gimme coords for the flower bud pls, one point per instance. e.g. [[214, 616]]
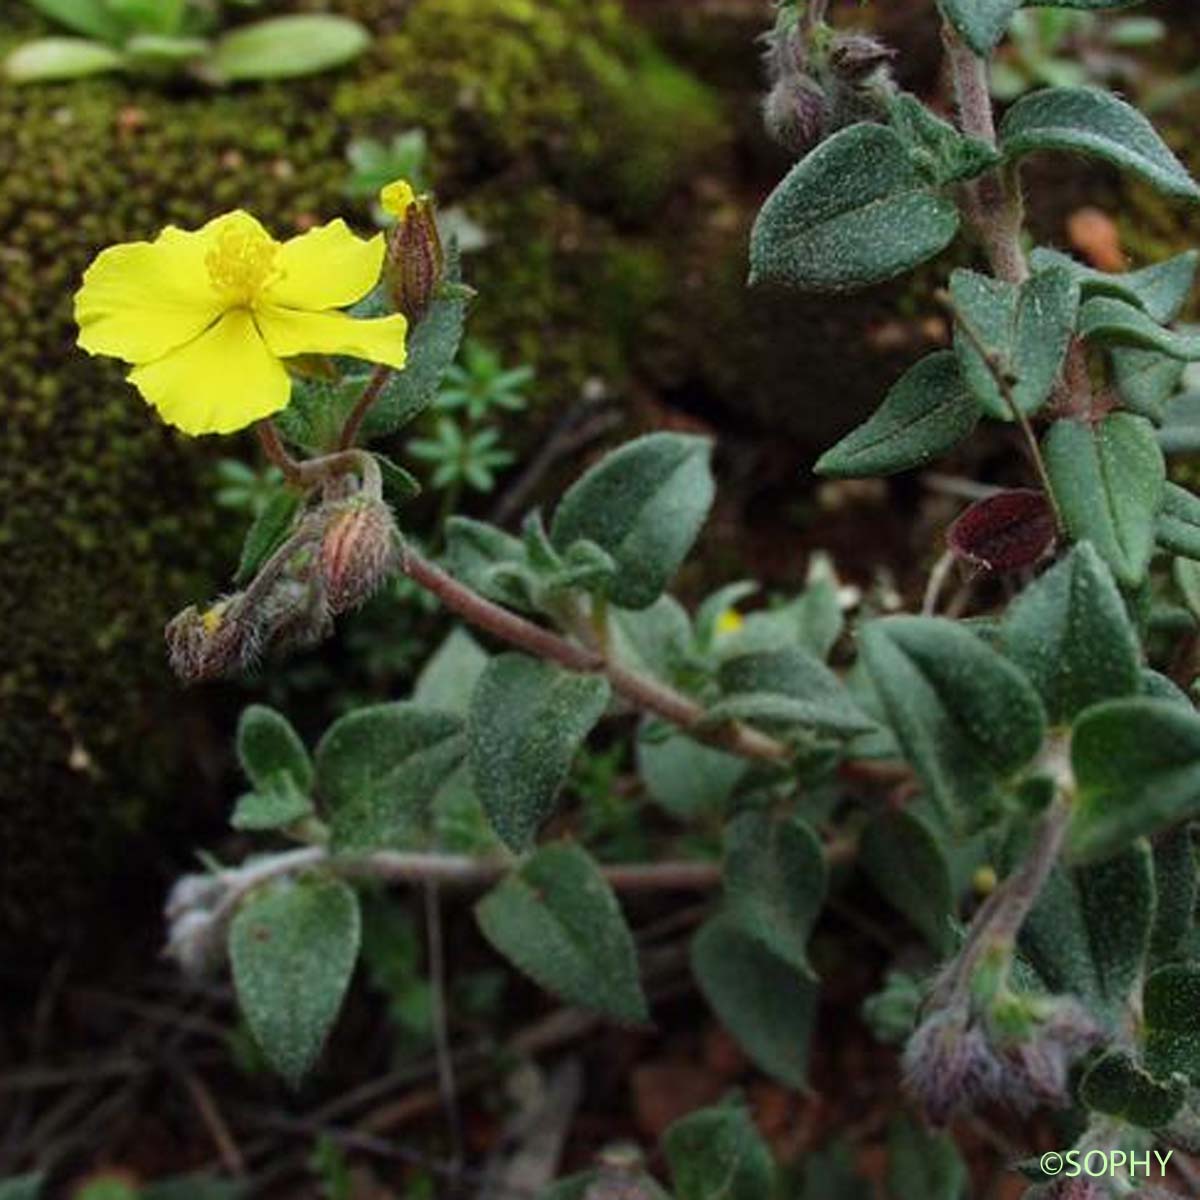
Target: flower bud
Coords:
[[949, 1066], [359, 549], [796, 114], [194, 942], [209, 644], [415, 263], [855, 57]]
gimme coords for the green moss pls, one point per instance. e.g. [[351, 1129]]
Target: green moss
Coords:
[[545, 117]]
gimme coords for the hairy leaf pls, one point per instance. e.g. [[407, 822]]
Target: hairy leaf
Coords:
[[1093, 121], [1161, 289], [268, 746], [1171, 1034], [557, 919], [982, 23], [527, 720], [928, 411], [1119, 1087], [855, 211], [448, 678], [1110, 322], [293, 946], [1178, 528], [718, 1154], [687, 777]]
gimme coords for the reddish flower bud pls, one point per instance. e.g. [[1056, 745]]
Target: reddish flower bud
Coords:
[[796, 114], [1005, 532], [416, 263], [359, 549]]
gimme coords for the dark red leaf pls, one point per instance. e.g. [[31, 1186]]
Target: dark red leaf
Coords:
[[1005, 532]]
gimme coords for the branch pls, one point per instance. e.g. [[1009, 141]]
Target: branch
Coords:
[[645, 693], [362, 406]]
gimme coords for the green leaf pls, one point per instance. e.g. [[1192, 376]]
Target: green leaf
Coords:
[[1175, 890], [1108, 479], [906, 863], [489, 561], [819, 609], [268, 746], [293, 944], [718, 1154], [787, 688], [60, 58], [399, 486], [378, 770], [1069, 632], [686, 777], [1090, 929], [1137, 770], [775, 879], [1026, 328], [1092, 121], [766, 1003], [556, 919], [154, 51], [643, 504], [284, 47], [1146, 380], [1161, 289], [1110, 322], [965, 716], [1171, 1032], [982, 23], [928, 411], [92, 18], [527, 720], [924, 1163], [276, 806], [855, 211], [448, 679], [1178, 528], [655, 640], [1118, 1086], [1180, 433], [938, 150], [432, 347], [268, 532]]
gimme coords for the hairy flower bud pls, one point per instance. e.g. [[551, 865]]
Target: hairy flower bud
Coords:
[[796, 113], [209, 644], [415, 263], [359, 549], [194, 942], [949, 1066], [855, 57]]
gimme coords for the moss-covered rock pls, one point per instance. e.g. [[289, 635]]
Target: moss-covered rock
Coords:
[[559, 126]]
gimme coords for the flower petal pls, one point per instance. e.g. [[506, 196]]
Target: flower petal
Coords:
[[224, 380], [327, 267], [142, 299], [288, 333]]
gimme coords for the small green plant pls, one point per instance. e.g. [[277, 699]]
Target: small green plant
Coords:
[[164, 38], [1019, 786]]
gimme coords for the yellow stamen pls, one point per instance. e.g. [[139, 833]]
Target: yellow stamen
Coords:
[[241, 264]]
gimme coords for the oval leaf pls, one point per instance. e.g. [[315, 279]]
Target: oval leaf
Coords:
[[982, 23], [855, 211], [283, 47], [718, 1154], [1093, 121], [928, 411], [643, 505], [527, 720], [556, 919], [1178, 528], [293, 946], [1108, 479], [60, 58]]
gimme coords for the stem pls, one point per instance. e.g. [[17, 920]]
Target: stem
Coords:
[[358, 413], [994, 204], [643, 692], [435, 945], [276, 452]]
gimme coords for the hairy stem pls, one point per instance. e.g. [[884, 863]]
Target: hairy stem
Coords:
[[358, 414], [640, 690]]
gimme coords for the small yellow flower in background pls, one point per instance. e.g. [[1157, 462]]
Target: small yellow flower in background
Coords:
[[205, 316], [730, 621], [397, 198]]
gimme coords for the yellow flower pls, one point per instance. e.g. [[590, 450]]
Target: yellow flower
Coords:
[[396, 198], [730, 621], [205, 317]]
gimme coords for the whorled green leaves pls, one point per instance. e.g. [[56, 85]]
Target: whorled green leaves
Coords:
[[642, 505], [928, 411], [1095, 122], [855, 211], [527, 720], [558, 920], [293, 945], [1108, 480], [965, 716]]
